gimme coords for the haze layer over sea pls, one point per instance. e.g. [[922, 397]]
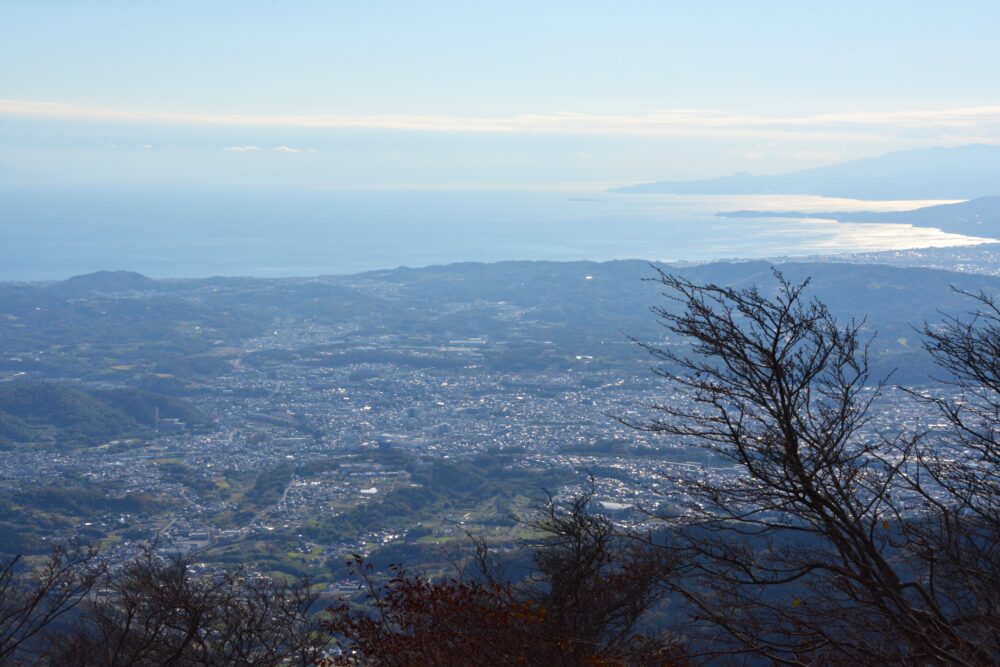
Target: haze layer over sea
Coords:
[[170, 233]]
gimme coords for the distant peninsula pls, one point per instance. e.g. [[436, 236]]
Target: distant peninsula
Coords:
[[977, 217], [963, 172]]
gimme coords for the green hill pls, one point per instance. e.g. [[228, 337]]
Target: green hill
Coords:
[[54, 414]]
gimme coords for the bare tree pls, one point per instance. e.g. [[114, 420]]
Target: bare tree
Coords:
[[33, 599], [958, 478], [579, 606], [595, 585], [155, 612], [799, 548]]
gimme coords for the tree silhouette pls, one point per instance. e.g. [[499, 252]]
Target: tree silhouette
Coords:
[[155, 612], [818, 538], [579, 606], [31, 600]]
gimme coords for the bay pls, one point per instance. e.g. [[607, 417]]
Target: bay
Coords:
[[48, 234]]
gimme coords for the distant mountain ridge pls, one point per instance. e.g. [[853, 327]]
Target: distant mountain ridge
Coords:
[[168, 340], [963, 172]]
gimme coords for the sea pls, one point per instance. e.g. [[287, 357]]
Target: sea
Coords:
[[52, 234]]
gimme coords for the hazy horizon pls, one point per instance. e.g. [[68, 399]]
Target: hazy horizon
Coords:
[[265, 139], [190, 233], [451, 95]]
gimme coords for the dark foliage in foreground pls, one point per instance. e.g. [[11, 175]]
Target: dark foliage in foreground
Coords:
[[153, 612], [32, 603], [580, 606]]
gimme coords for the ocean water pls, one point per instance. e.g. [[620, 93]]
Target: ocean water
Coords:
[[171, 232]]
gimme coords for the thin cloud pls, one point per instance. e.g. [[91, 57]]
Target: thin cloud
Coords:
[[242, 149], [291, 149], [682, 122]]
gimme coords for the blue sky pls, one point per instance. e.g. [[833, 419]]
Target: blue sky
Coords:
[[513, 94]]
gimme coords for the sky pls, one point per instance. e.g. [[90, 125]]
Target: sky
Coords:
[[358, 95]]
